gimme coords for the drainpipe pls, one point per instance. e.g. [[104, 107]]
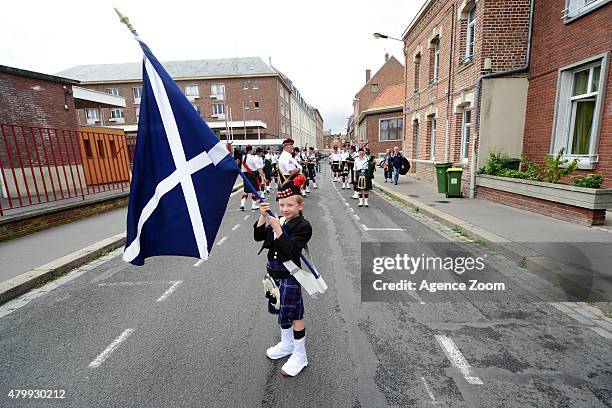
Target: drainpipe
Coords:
[[449, 87], [518, 70]]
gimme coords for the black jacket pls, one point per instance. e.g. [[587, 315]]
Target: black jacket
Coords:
[[284, 248]]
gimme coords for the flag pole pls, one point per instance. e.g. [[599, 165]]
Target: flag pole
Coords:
[[125, 20]]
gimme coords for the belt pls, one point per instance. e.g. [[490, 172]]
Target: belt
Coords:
[[277, 270]]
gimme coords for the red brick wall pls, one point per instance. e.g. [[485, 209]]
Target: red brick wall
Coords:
[[557, 45], [35, 102], [373, 131], [563, 212], [267, 95], [391, 73]]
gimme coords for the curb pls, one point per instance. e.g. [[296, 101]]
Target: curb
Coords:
[[25, 282]]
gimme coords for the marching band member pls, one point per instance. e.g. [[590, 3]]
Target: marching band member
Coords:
[[259, 152], [288, 167], [298, 156], [344, 170], [363, 174], [253, 171], [274, 172], [311, 162], [268, 168], [283, 291], [334, 159], [350, 161]]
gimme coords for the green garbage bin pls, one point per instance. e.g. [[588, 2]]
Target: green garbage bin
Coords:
[[441, 175], [453, 179]]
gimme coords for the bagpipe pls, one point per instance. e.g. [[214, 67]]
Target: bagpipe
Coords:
[[312, 282]]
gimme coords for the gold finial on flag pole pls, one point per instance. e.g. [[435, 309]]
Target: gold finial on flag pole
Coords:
[[125, 20]]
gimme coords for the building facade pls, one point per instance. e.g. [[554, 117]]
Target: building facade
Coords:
[[303, 121], [244, 94], [569, 102], [448, 46]]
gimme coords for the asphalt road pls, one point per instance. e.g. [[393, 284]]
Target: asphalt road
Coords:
[[169, 334]]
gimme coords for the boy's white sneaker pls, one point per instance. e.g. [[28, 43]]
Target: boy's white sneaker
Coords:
[[297, 361], [242, 202], [284, 347]]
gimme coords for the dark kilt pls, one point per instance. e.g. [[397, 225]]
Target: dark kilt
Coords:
[[252, 177], [268, 169], [291, 302], [368, 179], [274, 171], [336, 166]]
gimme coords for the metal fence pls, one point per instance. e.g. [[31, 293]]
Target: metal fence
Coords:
[[42, 165]]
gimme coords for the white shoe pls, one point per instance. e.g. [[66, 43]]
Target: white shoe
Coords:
[[360, 202], [284, 347], [355, 195], [297, 361], [254, 206], [307, 190], [314, 185], [335, 179], [242, 202], [365, 202]]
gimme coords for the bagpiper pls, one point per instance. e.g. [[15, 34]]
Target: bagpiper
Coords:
[[268, 168], [288, 167], [350, 161], [275, 167], [364, 174], [334, 159], [283, 291], [311, 163], [344, 170], [253, 170]]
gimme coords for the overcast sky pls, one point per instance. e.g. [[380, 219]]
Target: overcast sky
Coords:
[[324, 46]]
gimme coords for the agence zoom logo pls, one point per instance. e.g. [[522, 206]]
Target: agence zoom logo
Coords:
[[424, 263]]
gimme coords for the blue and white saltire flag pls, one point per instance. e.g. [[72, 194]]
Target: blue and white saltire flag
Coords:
[[182, 175]]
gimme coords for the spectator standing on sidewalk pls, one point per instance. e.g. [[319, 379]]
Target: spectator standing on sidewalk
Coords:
[[395, 162], [386, 168]]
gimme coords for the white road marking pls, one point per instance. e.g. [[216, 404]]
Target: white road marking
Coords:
[[222, 240], [433, 399], [134, 283], [235, 227], [346, 203], [245, 217], [356, 216], [200, 261], [380, 229], [112, 347], [169, 291], [456, 358]]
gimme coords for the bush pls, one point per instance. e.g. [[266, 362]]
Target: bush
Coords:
[[531, 170], [496, 161], [554, 170], [590, 180]]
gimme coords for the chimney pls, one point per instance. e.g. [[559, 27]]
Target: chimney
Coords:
[[368, 73], [386, 56]]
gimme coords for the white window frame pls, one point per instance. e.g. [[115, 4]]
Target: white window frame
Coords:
[[137, 111], [575, 11], [375, 88], [217, 90], [137, 93], [256, 105], [218, 109], [92, 115], [434, 129], [254, 84], [112, 91], [398, 128], [436, 61], [470, 35], [116, 113], [466, 127], [245, 85], [562, 132], [189, 91], [245, 105]]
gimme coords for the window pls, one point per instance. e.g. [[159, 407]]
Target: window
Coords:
[[112, 91], [256, 104], [436, 61], [92, 114], [391, 129], [465, 134], [217, 89], [417, 72], [116, 113], [283, 127], [137, 114], [218, 109], [375, 88], [282, 109], [415, 138], [245, 85], [101, 153], [434, 125], [576, 8], [192, 90], [578, 111], [255, 85], [137, 92], [470, 35], [245, 105]]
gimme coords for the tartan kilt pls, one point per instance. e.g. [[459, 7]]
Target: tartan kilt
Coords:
[[335, 167], [291, 302], [368, 180], [252, 177]]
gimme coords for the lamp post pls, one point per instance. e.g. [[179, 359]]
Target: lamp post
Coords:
[[386, 37]]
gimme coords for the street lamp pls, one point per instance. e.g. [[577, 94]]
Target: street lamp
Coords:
[[384, 36]]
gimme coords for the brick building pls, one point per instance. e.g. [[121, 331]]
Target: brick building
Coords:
[[244, 91], [448, 46], [381, 124], [569, 102], [391, 73]]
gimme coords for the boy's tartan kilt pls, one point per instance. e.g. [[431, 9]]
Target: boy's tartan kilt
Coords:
[[291, 302]]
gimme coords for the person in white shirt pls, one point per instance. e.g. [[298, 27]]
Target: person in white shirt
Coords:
[[311, 162], [363, 177], [268, 168], [259, 152], [344, 170], [253, 170], [288, 167], [335, 159]]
